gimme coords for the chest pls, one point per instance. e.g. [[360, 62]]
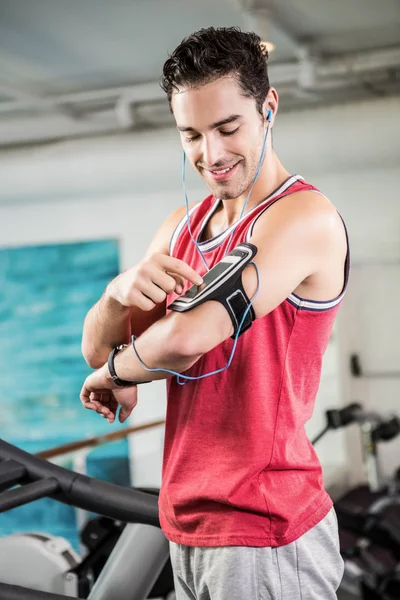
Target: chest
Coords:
[[212, 226]]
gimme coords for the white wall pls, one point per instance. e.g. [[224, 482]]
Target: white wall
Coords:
[[124, 187]]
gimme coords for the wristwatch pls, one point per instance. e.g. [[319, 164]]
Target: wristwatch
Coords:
[[113, 374]]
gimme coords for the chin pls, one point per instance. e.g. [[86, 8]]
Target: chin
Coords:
[[222, 193], [229, 192], [226, 195]]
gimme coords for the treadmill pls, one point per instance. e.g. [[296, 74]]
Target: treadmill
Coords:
[[141, 551]]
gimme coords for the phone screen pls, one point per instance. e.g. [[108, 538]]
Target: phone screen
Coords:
[[208, 278]]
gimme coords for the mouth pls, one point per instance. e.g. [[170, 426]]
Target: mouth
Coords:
[[223, 174]]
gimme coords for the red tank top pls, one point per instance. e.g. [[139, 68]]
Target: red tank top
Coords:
[[238, 468]]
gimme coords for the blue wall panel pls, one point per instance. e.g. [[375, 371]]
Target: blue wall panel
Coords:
[[45, 294]]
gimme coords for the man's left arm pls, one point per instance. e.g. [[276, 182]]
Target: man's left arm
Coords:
[[292, 238]]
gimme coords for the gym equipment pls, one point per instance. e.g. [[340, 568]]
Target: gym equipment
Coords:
[[99, 536], [369, 531], [369, 515], [135, 562]]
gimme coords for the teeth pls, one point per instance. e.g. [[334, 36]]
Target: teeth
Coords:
[[224, 171]]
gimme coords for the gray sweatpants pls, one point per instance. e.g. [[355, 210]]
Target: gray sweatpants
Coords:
[[310, 568]]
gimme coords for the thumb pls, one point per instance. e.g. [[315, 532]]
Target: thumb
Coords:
[[124, 414]]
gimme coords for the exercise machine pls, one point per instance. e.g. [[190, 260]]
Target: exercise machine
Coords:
[[369, 515], [130, 566], [135, 562]]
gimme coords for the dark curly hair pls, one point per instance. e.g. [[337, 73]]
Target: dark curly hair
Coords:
[[211, 53]]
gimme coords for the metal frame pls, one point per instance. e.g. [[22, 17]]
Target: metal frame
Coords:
[[142, 549]]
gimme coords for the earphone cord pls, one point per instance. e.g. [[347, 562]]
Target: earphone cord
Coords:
[[244, 205], [182, 379]]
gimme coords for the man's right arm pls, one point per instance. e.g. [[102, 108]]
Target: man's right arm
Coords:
[[135, 299]]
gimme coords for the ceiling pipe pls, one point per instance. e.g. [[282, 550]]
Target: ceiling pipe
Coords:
[[119, 108]]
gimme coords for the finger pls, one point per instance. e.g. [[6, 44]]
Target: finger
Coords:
[[167, 281], [106, 415], [89, 406], [104, 406], [114, 406], [85, 396], [137, 298], [95, 403], [174, 265], [155, 292], [124, 414], [88, 395], [180, 284], [102, 410], [103, 400], [101, 397], [113, 411]]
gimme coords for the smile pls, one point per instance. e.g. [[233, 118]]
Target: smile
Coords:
[[223, 174]]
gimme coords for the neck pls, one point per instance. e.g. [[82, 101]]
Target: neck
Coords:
[[272, 175]]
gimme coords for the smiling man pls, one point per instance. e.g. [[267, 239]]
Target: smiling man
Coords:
[[242, 498]]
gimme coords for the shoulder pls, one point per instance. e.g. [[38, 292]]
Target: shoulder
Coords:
[[173, 225], [305, 211], [161, 239], [304, 221], [179, 213]]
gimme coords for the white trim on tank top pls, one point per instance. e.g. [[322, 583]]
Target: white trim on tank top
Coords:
[[305, 303], [320, 305], [208, 245], [179, 227], [205, 246], [211, 244]]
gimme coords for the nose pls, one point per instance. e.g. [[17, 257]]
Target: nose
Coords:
[[212, 151]]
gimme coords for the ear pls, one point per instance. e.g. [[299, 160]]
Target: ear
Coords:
[[271, 106]]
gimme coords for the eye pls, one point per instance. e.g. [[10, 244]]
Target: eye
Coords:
[[192, 139], [229, 132], [224, 133]]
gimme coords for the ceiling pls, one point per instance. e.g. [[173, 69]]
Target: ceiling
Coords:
[[81, 68]]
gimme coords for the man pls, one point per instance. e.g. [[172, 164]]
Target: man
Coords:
[[242, 499]]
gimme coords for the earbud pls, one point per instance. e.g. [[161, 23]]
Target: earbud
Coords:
[[269, 115]]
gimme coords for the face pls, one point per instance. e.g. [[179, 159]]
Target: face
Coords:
[[222, 134]]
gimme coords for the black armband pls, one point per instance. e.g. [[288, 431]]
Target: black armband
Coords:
[[223, 283]]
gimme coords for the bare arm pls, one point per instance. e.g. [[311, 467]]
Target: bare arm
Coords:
[[135, 299], [294, 242], [106, 325]]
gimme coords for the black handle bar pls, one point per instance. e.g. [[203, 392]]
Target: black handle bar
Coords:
[[107, 499], [16, 592]]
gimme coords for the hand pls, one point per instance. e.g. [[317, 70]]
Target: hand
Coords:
[[101, 394], [149, 282]]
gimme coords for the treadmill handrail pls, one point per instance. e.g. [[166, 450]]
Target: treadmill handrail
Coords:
[[17, 592], [101, 497]]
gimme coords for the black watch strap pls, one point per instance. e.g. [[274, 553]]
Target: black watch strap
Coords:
[[111, 368]]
